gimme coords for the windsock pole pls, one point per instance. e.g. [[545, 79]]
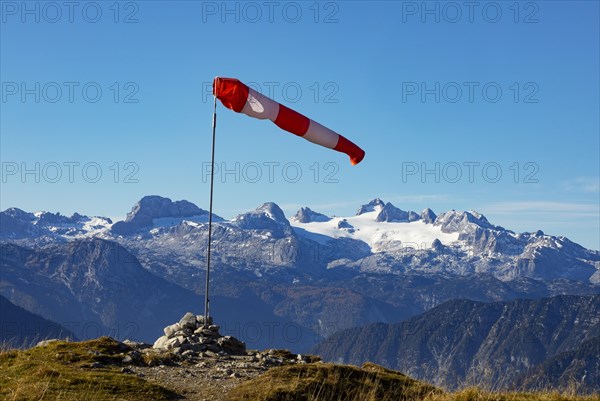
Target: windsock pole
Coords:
[[210, 212]]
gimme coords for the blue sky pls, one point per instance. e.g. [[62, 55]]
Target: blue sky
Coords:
[[493, 108]]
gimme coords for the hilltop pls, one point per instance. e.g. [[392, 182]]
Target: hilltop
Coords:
[[105, 369]]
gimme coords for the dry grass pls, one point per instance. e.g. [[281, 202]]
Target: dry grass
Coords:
[[328, 382], [321, 381], [62, 371], [475, 394]]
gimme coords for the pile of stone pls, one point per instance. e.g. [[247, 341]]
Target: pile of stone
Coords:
[[191, 337]]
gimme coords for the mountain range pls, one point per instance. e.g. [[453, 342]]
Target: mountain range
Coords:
[[290, 281], [523, 344]]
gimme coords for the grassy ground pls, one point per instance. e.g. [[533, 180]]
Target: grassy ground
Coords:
[[323, 381], [329, 382], [474, 394], [62, 371]]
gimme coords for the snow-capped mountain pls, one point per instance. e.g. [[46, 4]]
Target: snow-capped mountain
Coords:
[[380, 238], [155, 212], [306, 215], [17, 224], [384, 228]]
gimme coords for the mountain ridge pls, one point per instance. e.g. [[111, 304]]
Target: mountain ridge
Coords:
[[304, 274], [463, 342]]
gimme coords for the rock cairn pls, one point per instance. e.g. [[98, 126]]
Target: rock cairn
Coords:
[[190, 359], [190, 337]]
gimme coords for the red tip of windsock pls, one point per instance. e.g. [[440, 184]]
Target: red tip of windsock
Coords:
[[348, 147]]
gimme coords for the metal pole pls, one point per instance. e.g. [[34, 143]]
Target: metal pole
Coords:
[[210, 212]]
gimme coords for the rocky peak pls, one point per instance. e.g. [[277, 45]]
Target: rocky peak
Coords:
[[16, 223], [390, 213], [273, 211], [437, 245], [49, 219], [306, 215], [371, 206], [154, 207], [268, 216], [454, 221], [479, 219], [413, 216], [428, 216], [17, 213], [343, 224]]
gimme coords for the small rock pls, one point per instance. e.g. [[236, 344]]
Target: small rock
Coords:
[[46, 342], [210, 333], [200, 320], [127, 371], [147, 351], [161, 343], [213, 348], [128, 359], [172, 329], [175, 342], [188, 321], [135, 355], [136, 344], [188, 354], [232, 345], [185, 346], [96, 365], [198, 347]]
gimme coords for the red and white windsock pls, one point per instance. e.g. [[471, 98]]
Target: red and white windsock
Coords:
[[238, 97]]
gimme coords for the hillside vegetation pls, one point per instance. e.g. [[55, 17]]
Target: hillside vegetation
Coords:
[[95, 370], [75, 371]]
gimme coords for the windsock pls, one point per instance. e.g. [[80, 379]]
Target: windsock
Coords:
[[238, 97]]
